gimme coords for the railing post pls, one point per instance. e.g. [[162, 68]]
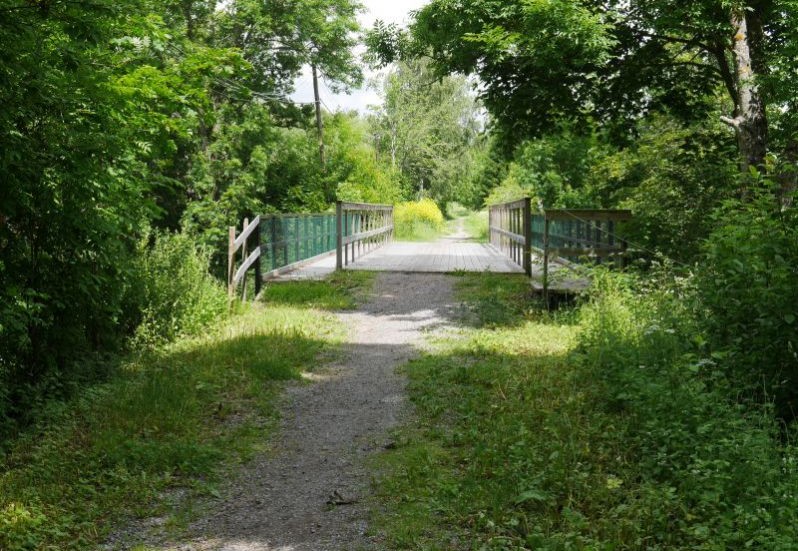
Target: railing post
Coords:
[[243, 258], [339, 252], [231, 261], [527, 221], [260, 261], [546, 262]]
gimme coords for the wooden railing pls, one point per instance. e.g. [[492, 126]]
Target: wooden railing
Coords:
[[274, 243], [575, 235], [361, 228], [580, 234], [509, 228], [236, 276]]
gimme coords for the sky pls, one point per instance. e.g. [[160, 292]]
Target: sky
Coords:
[[390, 11]]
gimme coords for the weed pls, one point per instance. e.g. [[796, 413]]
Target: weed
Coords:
[[418, 220], [596, 428], [171, 416], [338, 292]]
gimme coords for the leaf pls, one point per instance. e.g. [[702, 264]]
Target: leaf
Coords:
[[532, 495]]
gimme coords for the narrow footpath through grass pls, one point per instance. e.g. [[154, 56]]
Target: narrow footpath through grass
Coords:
[[173, 418]]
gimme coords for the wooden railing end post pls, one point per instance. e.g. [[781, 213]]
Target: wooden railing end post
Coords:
[[339, 238]]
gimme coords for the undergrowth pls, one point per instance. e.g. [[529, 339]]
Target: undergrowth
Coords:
[[476, 225], [173, 416], [603, 427]]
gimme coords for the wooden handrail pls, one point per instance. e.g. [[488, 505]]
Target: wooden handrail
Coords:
[[245, 233], [510, 227], [238, 276], [374, 228]]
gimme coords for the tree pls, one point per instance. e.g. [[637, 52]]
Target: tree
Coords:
[[426, 129], [73, 194], [616, 61]]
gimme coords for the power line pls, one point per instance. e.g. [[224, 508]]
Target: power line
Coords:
[[239, 86]]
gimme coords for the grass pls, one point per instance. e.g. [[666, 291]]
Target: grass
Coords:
[[520, 442], [419, 231], [476, 225], [460, 473], [176, 417], [340, 291]]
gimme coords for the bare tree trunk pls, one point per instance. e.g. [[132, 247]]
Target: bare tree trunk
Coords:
[[750, 120]]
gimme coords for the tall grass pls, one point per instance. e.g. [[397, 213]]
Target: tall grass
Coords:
[[606, 427], [176, 415], [175, 293]]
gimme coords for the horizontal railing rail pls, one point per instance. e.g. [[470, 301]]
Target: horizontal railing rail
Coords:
[[576, 235], [580, 234], [508, 225], [361, 228]]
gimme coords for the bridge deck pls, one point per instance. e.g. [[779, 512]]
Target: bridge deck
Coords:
[[450, 254]]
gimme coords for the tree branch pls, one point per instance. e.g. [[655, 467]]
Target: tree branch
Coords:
[[733, 122], [719, 52]]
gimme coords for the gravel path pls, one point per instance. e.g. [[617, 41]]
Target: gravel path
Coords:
[[312, 492]]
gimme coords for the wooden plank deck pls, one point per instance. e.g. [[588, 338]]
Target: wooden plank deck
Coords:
[[450, 254]]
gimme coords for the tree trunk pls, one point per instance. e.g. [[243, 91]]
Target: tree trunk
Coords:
[[750, 121], [319, 122]]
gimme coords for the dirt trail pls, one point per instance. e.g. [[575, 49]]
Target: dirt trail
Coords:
[[312, 492]]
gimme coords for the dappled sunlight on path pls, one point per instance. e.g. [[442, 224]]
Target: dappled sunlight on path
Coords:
[[311, 491]]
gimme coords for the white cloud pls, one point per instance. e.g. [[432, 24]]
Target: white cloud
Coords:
[[392, 11]]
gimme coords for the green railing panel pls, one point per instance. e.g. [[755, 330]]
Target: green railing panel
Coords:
[[291, 238], [599, 235]]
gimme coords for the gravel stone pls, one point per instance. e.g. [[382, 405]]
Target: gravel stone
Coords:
[[311, 492]]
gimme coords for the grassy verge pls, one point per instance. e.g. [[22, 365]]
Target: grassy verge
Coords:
[[172, 418], [580, 430], [418, 231], [476, 225]]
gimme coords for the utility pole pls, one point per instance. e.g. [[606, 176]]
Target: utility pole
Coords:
[[319, 123]]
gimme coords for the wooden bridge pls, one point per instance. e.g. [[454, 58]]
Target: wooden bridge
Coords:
[[545, 245]]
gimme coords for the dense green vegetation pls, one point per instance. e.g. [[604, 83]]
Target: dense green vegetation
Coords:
[[684, 114], [125, 122], [607, 426], [660, 412], [174, 417]]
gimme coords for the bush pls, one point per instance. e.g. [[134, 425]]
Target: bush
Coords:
[[176, 294], [747, 288], [707, 472], [418, 219]]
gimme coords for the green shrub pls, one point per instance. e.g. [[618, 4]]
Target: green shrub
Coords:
[[747, 297], [421, 219], [707, 472], [176, 294]]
